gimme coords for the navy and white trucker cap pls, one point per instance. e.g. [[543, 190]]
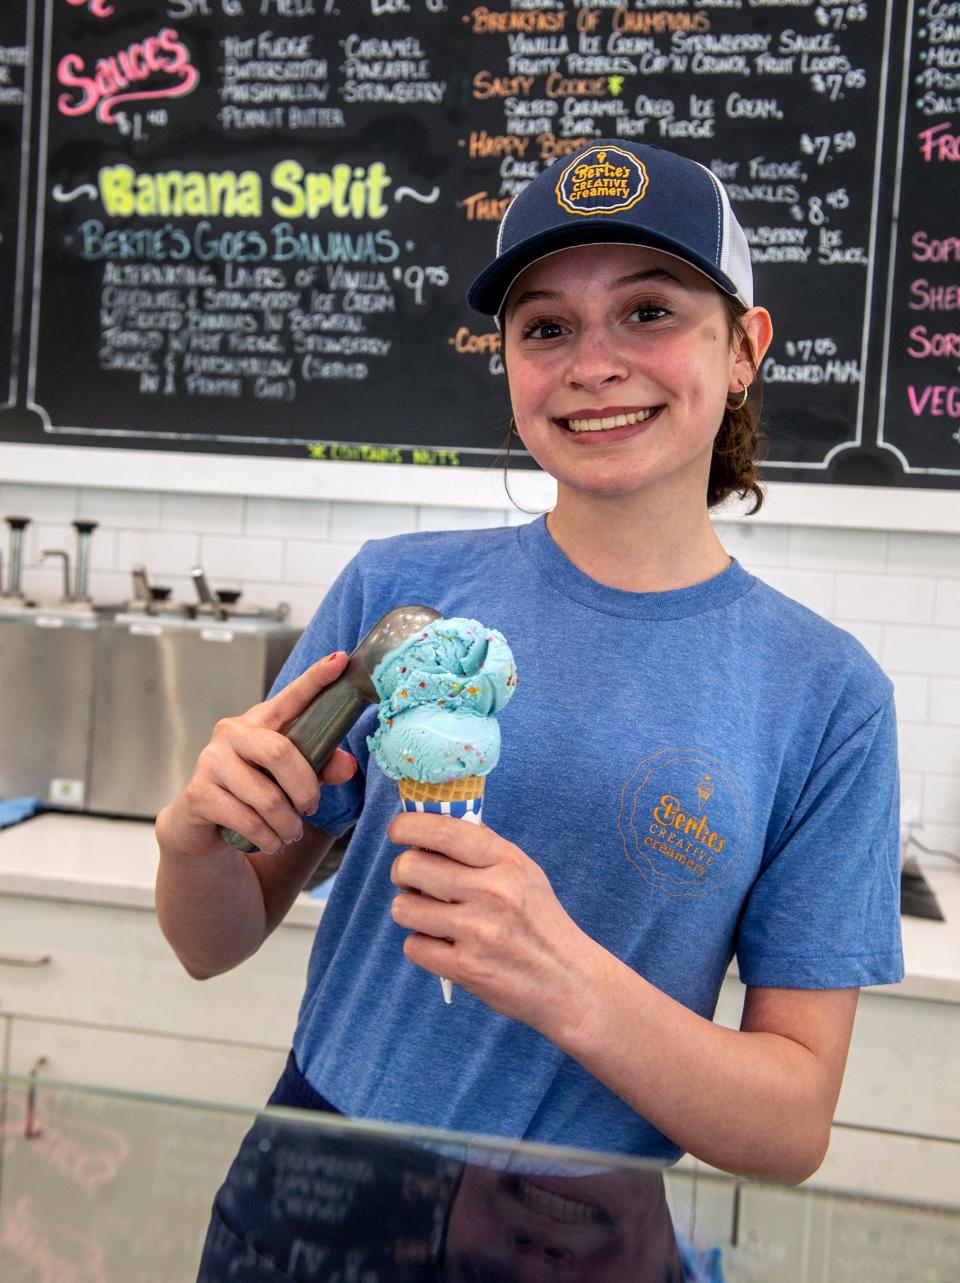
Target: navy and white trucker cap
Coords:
[[617, 192]]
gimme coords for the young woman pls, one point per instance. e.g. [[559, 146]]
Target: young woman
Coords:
[[694, 766]]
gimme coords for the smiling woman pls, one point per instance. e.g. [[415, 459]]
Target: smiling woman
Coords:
[[693, 767], [624, 294]]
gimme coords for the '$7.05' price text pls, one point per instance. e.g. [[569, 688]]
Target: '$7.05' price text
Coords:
[[833, 83], [807, 349], [836, 16]]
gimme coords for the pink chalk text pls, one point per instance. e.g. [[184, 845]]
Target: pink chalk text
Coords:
[[938, 143], [99, 8], [112, 79]]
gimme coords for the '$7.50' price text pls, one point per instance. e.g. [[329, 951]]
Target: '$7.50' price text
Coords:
[[823, 147]]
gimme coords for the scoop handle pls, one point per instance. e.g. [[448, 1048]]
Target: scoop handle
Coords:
[[317, 732]]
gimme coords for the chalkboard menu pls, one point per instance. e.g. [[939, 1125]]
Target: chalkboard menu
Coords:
[[246, 226], [920, 414], [13, 60]]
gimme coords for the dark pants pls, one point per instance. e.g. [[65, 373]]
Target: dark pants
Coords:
[[331, 1201]]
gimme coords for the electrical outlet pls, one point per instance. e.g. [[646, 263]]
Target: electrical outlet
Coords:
[[64, 792]]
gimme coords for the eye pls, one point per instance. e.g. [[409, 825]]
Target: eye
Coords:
[[540, 329], [648, 310]]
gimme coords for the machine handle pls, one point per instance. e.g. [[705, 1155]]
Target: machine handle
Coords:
[[47, 554], [207, 598], [30, 1129], [25, 959]]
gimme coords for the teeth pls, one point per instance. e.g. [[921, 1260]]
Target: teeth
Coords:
[[559, 1208], [614, 421]]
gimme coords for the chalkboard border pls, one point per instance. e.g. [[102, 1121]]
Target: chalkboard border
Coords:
[[787, 503]]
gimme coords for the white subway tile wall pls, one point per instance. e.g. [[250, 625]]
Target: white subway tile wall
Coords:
[[206, 514], [317, 562], [240, 559], [896, 599], [947, 605], [898, 593], [912, 694], [945, 700]]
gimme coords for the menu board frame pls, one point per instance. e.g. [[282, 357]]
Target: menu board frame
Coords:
[[831, 392], [785, 503]]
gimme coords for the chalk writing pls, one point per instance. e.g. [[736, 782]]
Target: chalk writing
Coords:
[[919, 416], [110, 81], [86, 1154], [267, 210]]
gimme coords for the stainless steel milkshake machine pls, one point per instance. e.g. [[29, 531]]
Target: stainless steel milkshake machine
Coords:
[[104, 708], [47, 661]]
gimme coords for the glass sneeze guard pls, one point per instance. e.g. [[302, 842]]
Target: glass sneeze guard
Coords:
[[102, 1186]]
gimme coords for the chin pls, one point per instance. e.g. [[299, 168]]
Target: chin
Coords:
[[609, 476]]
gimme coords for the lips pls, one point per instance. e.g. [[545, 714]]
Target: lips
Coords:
[[562, 1209], [603, 421]]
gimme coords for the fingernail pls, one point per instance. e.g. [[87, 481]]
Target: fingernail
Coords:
[[299, 834], [333, 654]]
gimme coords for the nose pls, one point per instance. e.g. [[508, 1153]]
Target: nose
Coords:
[[596, 362], [538, 1249]]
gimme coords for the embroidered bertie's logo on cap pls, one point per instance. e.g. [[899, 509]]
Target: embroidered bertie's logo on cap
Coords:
[[603, 180]]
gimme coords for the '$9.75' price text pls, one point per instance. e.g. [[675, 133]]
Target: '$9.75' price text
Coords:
[[414, 278]]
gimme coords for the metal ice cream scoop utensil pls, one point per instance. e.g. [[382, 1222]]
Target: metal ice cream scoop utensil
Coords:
[[325, 721]]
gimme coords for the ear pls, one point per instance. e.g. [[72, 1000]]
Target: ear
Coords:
[[758, 328]]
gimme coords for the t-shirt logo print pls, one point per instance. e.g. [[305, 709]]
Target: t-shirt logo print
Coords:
[[603, 180], [683, 822]]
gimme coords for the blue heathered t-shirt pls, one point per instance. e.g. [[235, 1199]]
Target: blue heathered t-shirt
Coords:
[[701, 773]]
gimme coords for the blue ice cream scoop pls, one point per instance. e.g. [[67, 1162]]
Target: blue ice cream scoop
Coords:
[[439, 692]]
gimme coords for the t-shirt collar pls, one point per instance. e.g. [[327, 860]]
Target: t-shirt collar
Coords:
[[537, 545]]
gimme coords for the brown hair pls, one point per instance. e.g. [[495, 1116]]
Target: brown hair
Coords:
[[736, 447]]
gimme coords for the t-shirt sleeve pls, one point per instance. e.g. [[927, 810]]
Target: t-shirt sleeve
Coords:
[[336, 625], [824, 913]]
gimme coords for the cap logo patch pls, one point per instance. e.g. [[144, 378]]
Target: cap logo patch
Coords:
[[603, 180]]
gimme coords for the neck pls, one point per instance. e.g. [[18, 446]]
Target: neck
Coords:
[[636, 547]]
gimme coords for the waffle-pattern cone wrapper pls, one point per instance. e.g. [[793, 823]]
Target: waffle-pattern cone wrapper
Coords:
[[463, 799]]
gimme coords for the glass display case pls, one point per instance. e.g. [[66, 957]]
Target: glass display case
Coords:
[[117, 1187]]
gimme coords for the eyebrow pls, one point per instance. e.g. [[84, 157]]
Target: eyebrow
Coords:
[[633, 278]]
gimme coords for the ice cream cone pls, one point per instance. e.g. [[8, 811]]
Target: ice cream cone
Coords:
[[439, 694], [463, 799]]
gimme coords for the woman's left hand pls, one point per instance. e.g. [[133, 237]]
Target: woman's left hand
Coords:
[[484, 914]]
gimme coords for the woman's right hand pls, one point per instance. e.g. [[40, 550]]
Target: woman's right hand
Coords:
[[229, 787]]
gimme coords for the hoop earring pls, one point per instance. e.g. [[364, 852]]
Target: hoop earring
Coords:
[[742, 402], [511, 433]]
